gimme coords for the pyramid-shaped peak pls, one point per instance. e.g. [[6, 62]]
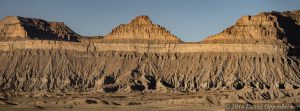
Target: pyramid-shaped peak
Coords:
[[263, 28], [143, 19], [142, 30]]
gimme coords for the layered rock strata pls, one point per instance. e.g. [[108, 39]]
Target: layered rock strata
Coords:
[[141, 30], [21, 28], [243, 60], [264, 28], [141, 47]]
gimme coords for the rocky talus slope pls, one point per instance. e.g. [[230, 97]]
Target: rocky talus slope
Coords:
[[20, 28], [256, 54], [142, 30]]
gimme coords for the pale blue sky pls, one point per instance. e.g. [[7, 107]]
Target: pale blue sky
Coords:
[[190, 20]]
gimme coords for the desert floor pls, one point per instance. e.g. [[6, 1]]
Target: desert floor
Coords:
[[201, 101]]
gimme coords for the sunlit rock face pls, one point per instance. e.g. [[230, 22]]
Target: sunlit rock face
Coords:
[[141, 30], [258, 53], [18, 28], [265, 28]]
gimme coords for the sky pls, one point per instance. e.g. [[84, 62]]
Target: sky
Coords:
[[190, 20]]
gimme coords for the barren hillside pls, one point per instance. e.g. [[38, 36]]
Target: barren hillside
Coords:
[[20, 28], [141, 29], [258, 53]]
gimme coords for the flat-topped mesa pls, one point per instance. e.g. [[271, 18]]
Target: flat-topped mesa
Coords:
[[141, 30], [264, 28], [21, 28]]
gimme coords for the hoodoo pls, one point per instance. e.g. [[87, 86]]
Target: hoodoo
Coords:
[[141, 29], [21, 28]]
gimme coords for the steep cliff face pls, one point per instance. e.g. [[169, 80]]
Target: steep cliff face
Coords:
[[17, 28], [264, 28], [256, 54], [141, 29], [294, 15]]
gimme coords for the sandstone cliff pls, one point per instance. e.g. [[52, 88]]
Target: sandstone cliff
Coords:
[[264, 28], [236, 59], [18, 28], [141, 29], [90, 39]]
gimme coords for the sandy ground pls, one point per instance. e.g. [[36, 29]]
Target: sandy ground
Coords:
[[208, 101]]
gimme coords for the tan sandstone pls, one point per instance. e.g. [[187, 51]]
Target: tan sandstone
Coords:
[[140, 63], [18, 28], [141, 29]]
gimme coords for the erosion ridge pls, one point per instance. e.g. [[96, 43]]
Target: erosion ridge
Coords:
[[264, 28], [141, 29], [23, 28], [257, 53]]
